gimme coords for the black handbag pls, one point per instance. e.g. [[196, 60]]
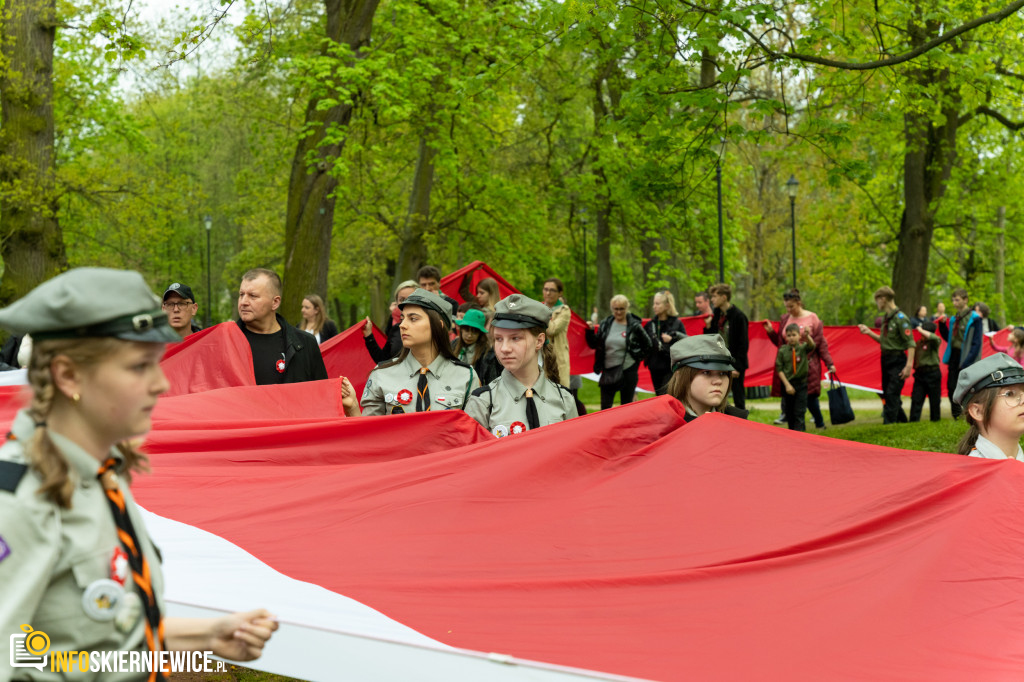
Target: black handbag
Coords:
[[611, 376], [839, 409]]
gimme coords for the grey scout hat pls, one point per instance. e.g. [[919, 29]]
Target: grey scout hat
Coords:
[[996, 370], [427, 299], [706, 351], [66, 307], [520, 312]]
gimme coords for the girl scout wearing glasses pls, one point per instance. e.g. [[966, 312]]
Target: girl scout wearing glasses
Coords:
[[991, 392], [77, 568], [426, 375], [523, 397]]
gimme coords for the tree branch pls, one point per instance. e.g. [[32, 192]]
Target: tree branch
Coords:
[[996, 16], [992, 113]]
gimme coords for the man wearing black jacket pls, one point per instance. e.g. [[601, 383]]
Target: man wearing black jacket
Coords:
[[281, 354], [732, 325]]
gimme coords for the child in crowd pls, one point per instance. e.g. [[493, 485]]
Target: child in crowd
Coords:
[[1016, 348], [791, 365], [991, 392], [927, 374], [472, 343]]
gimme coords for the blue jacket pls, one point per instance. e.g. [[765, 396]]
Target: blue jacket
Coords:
[[970, 349]]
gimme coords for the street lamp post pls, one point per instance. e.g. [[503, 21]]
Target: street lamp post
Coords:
[[791, 186], [209, 295], [719, 150], [721, 247]]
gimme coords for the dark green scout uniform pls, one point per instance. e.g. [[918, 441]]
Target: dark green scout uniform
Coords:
[[791, 361], [927, 379], [895, 337]]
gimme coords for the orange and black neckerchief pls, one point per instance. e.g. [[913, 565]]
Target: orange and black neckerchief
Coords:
[[136, 560]]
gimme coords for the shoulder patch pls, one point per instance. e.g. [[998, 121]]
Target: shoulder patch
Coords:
[[460, 363], [480, 391], [11, 474]]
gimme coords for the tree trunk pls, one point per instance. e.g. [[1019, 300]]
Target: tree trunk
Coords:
[[310, 218], [33, 246], [930, 152], [412, 252]]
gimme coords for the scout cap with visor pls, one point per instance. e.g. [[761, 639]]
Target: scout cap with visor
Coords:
[[66, 307]]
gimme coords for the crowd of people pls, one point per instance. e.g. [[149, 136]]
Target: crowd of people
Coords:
[[75, 558]]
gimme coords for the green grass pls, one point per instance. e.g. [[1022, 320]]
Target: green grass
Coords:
[[941, 436]]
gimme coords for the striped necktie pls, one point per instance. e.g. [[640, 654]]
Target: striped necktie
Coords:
[[136, 560]]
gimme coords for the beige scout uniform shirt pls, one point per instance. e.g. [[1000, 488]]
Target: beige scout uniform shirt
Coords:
[[392, 390], [986, 449], [502, 409], [54, 555]]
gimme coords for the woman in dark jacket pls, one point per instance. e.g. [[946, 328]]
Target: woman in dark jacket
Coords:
[[619, 344], [664, 329]]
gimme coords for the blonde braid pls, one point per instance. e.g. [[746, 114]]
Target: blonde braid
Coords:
[[43, 455]]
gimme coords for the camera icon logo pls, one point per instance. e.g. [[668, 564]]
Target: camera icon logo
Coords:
[[29, 649]]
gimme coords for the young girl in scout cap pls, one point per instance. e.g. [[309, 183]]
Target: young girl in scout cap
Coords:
[[426, 375], [991, 393], [701, 367], [76, 561], [524, 396]]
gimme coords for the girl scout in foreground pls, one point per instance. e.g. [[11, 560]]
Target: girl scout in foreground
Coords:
[[701, 367], [991, 392], [523, 397], [76, 562], [426, 375]]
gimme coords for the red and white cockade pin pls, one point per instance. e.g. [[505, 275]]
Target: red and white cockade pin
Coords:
[[404, 396], [119, 566], [280, 366], [517, 427]]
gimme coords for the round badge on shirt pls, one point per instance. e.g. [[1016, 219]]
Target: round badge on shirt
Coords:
[[101, 599]]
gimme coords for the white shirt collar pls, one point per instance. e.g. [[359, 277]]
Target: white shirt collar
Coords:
[[988, 450]]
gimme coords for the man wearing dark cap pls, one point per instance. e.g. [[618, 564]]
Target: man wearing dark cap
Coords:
[[281, 354], [181, 308]]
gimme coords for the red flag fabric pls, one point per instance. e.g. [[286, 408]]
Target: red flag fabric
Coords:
[[345, 355], [624, 541], [217, 357]]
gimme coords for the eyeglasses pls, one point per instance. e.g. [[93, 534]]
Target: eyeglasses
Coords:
[[618, 310], [1014, 397], [177, 305]]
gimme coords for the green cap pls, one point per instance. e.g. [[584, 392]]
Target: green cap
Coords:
[[90, 302], [520, 312], [706, 351], [431, 301], [475, 319], [995, 370]]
